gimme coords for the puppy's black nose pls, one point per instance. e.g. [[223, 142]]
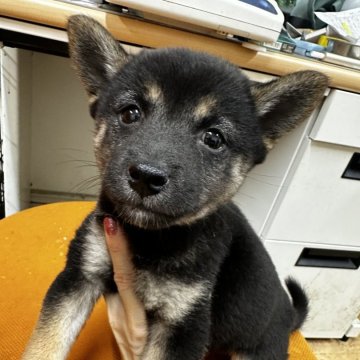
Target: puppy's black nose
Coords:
[[147, 180]]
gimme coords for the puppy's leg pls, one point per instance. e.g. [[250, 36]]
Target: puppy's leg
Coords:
[[166, 344], [274, 347], [72, 295], [186, 340], [67, 305]]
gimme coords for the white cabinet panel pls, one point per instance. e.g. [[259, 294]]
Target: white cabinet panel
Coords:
[[339, 120], [319, 206], [300, 200], [264, 182], [16, 79], [333, 293]]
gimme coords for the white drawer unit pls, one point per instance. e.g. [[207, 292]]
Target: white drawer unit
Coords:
[[309, 218], [319, 206], [322, 203], [331, 283], [339, 120]]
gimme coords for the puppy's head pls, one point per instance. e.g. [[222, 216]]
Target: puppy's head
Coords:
[[176, 130]]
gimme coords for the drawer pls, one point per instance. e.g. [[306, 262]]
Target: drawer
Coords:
[[333, 292], [318, 205], [339, 121]]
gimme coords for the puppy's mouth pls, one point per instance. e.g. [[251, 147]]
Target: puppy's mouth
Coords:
[[154, 212], [145, 217]]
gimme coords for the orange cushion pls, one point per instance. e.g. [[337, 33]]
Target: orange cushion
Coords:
[[33, 247]]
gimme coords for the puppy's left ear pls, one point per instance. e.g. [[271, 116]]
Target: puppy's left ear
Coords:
[[95, 54], [284, 103]]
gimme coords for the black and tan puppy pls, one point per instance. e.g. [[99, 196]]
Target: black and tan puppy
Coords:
[[176, 133]]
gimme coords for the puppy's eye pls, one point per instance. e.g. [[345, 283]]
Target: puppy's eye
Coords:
[[130, 114], [213, 139]]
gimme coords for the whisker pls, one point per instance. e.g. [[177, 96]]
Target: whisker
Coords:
[[261, 181], [87, 184], [84, 162], [246, 195]]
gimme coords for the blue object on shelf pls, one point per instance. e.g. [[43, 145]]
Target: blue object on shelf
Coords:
[[261, 4]]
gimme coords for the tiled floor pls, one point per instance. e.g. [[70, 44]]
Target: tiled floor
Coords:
[[336, 349]]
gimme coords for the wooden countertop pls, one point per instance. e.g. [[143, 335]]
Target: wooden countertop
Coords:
[[54, 13]]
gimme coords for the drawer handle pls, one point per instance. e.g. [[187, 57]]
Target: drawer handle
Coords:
[[325, 258], [352, 170]]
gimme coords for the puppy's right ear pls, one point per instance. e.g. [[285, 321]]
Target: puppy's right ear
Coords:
[[95, 54]]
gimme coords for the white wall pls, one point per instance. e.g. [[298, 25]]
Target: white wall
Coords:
[[61, 131], [47, 131], [16, 75]]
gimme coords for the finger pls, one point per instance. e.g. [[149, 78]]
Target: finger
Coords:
[[131, 341], [124, 272], [120, 254], [116, 317]]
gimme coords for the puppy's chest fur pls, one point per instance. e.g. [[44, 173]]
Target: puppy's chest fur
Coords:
[[176, 268], [173, 274], [167, 298]]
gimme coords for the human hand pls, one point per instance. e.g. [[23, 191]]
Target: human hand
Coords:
[[126, 313]]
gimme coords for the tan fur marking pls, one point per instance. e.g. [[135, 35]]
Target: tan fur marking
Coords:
[[172, 299], [54, 334], [101, 152], [43, 343], [204, 107], [97, 259], [92, 99], [238, 172], [235, 357], [155, 348], [154, 92], [99, 136], [239, 357], [269, 144]]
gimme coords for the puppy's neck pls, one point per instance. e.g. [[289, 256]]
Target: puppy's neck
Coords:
[[154, 243], [105, 207]]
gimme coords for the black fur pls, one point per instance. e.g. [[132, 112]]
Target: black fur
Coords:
[[185, 230]]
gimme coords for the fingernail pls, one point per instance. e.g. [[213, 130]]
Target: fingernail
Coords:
[[110, 226]]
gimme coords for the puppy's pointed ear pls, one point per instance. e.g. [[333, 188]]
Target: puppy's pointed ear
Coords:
[[95, 54], [284, 103]]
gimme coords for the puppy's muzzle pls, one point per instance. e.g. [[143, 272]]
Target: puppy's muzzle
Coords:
[[147, 180]]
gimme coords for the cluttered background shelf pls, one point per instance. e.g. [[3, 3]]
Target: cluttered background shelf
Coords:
[[134, 31]]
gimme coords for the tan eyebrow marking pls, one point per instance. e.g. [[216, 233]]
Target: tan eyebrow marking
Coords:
[[154, 92], [100, 134], [92, 99], [204, 106]]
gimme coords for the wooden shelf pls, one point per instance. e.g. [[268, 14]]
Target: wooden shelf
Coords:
[[54, 13]]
